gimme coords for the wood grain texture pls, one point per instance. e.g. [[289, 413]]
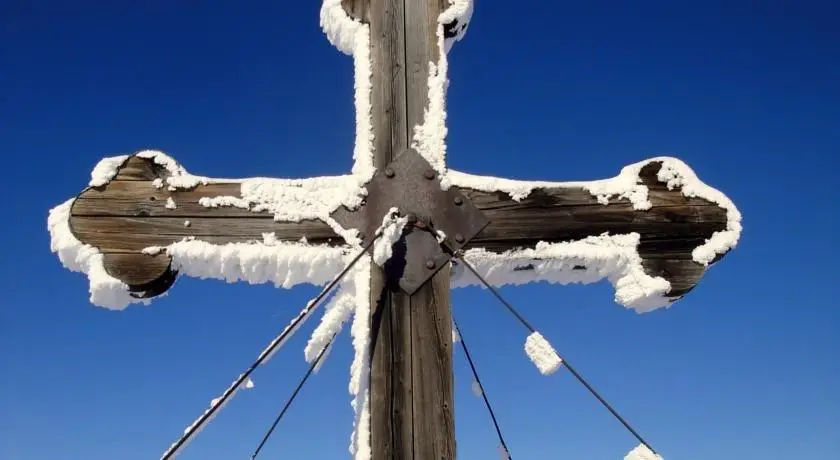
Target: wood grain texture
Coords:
[[391, 355], [130, 214], [411, 411], [432, 376], [669, 231]]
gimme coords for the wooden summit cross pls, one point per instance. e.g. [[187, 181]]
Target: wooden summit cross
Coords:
[[652, 230]]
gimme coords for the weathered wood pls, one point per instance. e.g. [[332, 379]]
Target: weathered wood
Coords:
[[391, 357], [136, 269], [200, 226], [432, 378], [130, 213], [411, 382], [669, 231], [136, 168], [411, 358]]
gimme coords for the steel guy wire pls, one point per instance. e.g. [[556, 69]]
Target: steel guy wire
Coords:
[[294, 395], [574, 372], [481, 386], [272, 346]]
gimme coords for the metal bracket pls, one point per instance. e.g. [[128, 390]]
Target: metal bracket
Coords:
[[411, 185]]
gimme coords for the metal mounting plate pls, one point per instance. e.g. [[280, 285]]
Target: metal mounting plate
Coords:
[[411, 185]]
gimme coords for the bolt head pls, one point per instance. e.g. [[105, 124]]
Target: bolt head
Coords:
[[459, 201], [389, 172], [459, 238], [430, 174], [430, 264]]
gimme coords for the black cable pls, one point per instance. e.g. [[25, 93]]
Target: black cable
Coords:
[[273, 345], [292, 398], [483, 393], [565, 362]]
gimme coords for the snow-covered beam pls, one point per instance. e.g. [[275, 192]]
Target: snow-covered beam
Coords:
[[144, 217], [652, 230]]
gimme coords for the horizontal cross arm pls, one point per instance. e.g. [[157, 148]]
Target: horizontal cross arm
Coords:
[[656, 217], [140, 210]]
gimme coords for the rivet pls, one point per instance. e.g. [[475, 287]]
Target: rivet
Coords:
[[430, 174], [430, 264], [389, 172], [459, 237], [459, 201]]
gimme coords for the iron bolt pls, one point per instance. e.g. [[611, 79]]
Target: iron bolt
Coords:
[[430, 264], [430, 174], [459, 201], [459, 237], [389, 172]]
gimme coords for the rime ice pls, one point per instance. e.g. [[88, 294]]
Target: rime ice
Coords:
[[106, 170], [614, 257], [641, 452], [609, 256], [542, 354], [476, 388], [105, 290], [392, 228]]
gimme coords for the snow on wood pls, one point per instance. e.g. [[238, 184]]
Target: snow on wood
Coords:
[[352, 37], [456, 18], [106, 170], [287, 264], [627, 184], [613, 257], [105, 290], [360, 368], [542, 354], [178, 177], [430, 137]]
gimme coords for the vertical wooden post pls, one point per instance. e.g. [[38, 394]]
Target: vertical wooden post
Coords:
[[412, 407]]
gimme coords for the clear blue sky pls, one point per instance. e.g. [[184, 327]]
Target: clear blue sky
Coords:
[[746, 367]]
